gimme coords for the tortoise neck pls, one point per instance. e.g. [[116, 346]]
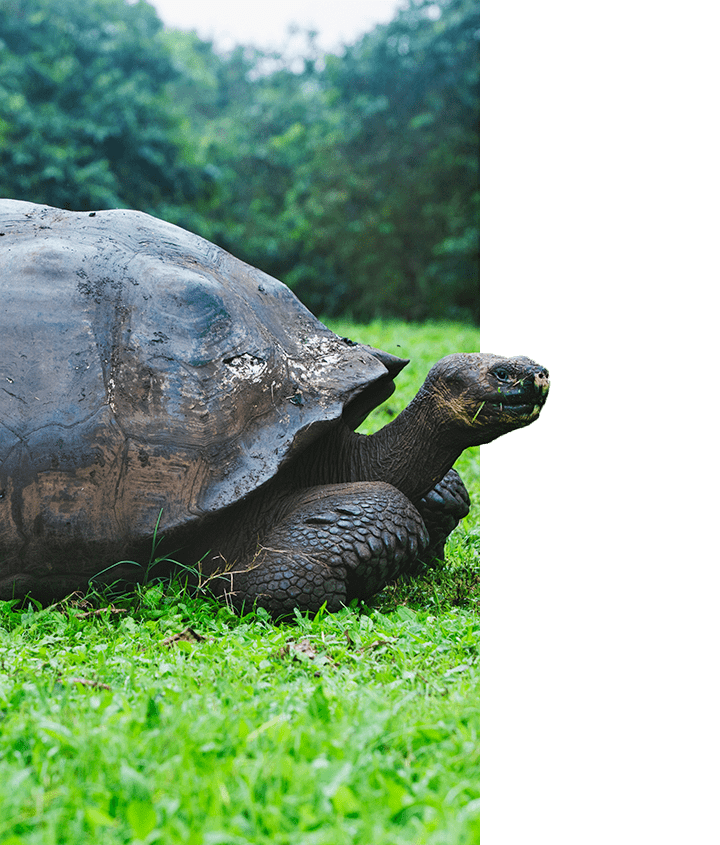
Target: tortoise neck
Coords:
[[413, 452]]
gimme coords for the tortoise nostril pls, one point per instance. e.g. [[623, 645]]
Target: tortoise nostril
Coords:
[[541, 381]]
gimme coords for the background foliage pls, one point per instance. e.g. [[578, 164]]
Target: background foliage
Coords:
[[353, 178]]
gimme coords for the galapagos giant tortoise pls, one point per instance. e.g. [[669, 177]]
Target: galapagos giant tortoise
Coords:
[[153, 384]]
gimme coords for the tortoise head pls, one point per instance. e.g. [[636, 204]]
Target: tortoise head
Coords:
[[484, 396]]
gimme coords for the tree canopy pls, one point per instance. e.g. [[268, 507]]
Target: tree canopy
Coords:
[[353, 178]]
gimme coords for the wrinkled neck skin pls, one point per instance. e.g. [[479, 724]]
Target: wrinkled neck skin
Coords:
[[413, 452]]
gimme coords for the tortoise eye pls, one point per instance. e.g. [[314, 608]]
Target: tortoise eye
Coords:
[[502, 374]]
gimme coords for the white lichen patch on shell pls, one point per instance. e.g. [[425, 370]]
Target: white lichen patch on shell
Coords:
[[245, 367], [110, 389], [325, 354]]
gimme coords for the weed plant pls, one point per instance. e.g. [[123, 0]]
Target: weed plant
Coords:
[[158, 716]]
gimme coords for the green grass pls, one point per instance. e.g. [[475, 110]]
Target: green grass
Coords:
[[357, 727]]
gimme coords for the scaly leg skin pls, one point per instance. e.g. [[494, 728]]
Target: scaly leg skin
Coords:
[[442, 509], [337, 543]]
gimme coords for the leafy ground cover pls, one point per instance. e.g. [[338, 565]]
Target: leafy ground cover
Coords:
[[163, 717]]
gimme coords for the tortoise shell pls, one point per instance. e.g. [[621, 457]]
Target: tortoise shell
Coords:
[[146, 371]]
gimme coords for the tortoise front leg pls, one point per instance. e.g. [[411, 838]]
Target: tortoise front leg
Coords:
[[442, 509], [336, 543]]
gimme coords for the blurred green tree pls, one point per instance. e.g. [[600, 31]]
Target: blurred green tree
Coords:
[[85, 120], [390, 196], [354, 178]]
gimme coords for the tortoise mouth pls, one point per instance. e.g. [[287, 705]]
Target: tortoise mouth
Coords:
[[527, 397], [518, 404], [526, 410], [521, 409]]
